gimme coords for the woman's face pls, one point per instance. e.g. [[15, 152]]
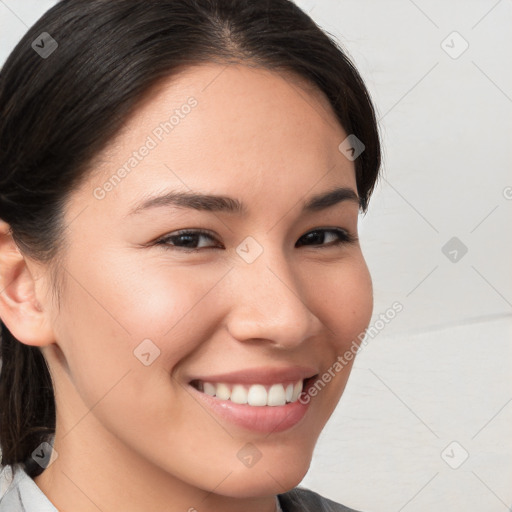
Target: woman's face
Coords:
[[269, 294]]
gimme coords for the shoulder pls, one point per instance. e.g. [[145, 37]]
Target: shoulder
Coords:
[[19, 493], [301, 499]]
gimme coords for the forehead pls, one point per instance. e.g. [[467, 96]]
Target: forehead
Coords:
[[226, 128]]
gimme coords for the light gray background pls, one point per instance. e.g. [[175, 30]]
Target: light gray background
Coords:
[[440, 372]]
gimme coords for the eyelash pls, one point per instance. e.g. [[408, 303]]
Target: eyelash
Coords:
[[344, 238]]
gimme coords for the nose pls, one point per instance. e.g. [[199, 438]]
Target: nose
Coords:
[[270, 302]]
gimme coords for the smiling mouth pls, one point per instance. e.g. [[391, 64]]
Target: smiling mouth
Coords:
[[257, 395]]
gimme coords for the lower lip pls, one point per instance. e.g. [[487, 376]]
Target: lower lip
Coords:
[[268, 419]]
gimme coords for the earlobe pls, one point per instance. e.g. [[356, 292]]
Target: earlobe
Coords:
[[20, 307]]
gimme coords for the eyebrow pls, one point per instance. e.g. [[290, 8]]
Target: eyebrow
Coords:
[[219, 203]]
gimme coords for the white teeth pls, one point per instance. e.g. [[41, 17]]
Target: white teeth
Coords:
[[256, 395], [222, 391], [208, 388], [289, 392], [239, 394], [276, 395], [296, 391]]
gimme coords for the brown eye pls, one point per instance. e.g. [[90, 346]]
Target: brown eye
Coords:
[[187, 240], [335, 236]]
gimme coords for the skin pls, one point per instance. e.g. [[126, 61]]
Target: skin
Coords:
[[132, 437]]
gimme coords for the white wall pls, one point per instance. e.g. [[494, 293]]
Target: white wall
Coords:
[[440, 371]]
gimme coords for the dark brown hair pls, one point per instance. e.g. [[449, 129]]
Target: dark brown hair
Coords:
[[57, 114]]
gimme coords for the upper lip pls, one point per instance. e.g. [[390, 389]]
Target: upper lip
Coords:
[[270, 375]]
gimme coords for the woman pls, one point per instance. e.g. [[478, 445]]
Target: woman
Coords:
[[180, 184]]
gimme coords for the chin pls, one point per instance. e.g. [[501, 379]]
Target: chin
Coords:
[[267, 480]]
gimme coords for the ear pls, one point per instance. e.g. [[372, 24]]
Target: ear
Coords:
[[20, 307]]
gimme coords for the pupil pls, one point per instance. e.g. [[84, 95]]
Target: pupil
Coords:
[[315, 237], [189, 239]]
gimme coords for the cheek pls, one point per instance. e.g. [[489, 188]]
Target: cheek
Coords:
[[345, 299], [102, 328], [107, 316], [172, 305], [341, 294]]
